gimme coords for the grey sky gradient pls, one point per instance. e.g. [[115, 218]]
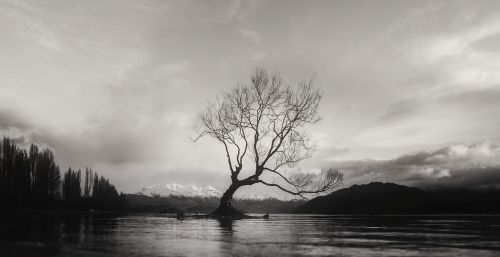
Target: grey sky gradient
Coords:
[[117, 85]]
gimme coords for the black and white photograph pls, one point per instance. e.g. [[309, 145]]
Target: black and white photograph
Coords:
[[158, 128]]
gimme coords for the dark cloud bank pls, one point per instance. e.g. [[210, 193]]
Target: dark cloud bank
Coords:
[[470, 166]]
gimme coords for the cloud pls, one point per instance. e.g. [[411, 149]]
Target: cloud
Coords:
[[401, 110], [251, 35], [152, 91], [453, 156], [259, 56], [225, 11], [173, 68], [463, 57], [489, 43], [9, 119], [119, 140], [474, 98], [330, 153], [472, 166], [438, 47], [21, 14], [462, 116], [246, 10]]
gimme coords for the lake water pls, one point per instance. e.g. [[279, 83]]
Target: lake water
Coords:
[[49, 234]]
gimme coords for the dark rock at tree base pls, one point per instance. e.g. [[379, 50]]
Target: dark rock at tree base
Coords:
[[389, 198], [229, 213]]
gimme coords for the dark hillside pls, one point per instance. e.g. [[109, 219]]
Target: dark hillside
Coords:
[[389, 198]]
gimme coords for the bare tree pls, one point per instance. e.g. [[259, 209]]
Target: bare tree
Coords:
[[261, 124]]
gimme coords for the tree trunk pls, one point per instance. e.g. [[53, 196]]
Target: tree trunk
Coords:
[[225, 209]]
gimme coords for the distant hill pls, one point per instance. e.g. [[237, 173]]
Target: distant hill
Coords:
[[389, 198], [271, 205], [142, 203]]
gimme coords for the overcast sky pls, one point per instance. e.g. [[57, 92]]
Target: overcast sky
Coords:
[[411, 88]]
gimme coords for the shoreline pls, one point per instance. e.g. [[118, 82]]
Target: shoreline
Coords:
[[251, 216]]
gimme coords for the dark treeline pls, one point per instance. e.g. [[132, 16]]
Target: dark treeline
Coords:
[[31, 179]]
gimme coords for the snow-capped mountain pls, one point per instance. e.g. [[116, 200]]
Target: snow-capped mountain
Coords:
[[249, 196], [193, 190], [173, 189]]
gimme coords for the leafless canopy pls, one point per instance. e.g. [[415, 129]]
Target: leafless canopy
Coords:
[[261, 123]]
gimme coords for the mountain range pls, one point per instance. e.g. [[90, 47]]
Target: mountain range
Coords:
[[373, 198], [173, 197], [191, 190], [174, 189]]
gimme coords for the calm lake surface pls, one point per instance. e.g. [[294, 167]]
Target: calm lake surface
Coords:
[[49, 234]]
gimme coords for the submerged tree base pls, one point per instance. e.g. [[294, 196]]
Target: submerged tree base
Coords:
[[224, 214], [229, 213]]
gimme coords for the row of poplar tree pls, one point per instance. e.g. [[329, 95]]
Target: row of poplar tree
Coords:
[[30, 178]]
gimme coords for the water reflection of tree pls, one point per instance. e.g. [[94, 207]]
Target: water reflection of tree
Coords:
[[71, 228], [29, 233], [90, 229], [226, 226]]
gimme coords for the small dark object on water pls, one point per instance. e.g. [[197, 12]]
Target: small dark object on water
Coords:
[[180, 215], [266, 216]]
